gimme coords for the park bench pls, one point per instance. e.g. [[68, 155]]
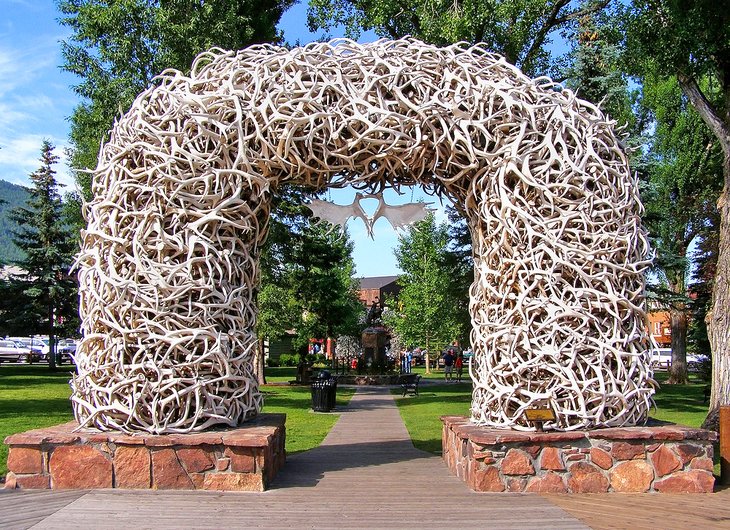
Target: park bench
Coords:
[[409, 383]]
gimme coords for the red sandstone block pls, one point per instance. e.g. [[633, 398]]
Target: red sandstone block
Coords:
[[575, 458], [222, 464], [132, 467], [167, 472], [622, 433], [25, 460], [243, 459], [633, 476], [517, 462], [480, 455], [244, 439], [196, 459], [627, 451], [695, 481], [127, 439], [79, 467], [687, 452], [203, 438], [550, 483], [532, 450], [556, 437], [601, 458], [550, 459], [234, 482], [486, 479], [33, 482], [665, 461], [159, 440], [586, 478], [702, 462], [198, 480]]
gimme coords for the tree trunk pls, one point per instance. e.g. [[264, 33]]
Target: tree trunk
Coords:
[[51, 340], [259, 362], [718, 319], [678, 370]]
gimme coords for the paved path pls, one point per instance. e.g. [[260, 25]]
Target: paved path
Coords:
[[366, 474]]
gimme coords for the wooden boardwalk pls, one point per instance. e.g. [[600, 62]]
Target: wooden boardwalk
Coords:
[[366, 474]]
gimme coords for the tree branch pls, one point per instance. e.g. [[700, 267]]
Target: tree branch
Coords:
[[707, 112], [553, 20]]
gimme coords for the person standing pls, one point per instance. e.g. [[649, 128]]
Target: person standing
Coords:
[[449, 365], [459, 365]]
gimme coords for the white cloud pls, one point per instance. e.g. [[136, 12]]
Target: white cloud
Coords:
[[21, 156]]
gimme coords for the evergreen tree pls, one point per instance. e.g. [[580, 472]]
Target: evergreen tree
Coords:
[[44, 295]]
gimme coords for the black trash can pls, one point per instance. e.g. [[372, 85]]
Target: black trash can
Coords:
[[324, 392]]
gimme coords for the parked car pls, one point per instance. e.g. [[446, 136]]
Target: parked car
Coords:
[[37, 345], [11, 350], [662, 358], [65, 350]]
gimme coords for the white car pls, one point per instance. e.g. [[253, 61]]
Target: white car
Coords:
[[11, 350], [662, 358]]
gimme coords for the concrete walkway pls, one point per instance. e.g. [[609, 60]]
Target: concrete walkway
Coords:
[[366, 474]]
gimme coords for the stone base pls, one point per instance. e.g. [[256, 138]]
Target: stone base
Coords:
[[246, 458], [661, 459]]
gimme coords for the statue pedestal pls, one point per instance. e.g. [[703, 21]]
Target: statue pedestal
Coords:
[[244, 458], [664, 458], [374, 340]]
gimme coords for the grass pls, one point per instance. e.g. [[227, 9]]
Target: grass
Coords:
[[421, 413], [32, 397]]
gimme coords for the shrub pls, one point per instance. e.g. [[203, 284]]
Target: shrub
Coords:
[[273, 363]]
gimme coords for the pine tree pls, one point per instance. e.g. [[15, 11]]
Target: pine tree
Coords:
[[44, 294]]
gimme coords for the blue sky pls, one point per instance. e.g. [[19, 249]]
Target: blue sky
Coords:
[[36, 100]]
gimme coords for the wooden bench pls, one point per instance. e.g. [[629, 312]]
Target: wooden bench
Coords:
[[409, 383]]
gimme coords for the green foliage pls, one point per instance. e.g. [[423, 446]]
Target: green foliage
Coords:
[[117, 47], [35, 300], [286, 359], [426, 315], [307, 276], [518, 29], [13, 196]]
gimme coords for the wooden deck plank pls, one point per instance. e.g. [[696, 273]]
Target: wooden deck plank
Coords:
[[647, 511]]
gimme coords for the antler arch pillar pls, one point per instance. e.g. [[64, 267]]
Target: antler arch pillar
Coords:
[[169, 261]]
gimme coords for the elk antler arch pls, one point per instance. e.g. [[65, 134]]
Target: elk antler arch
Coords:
[[169, 261]]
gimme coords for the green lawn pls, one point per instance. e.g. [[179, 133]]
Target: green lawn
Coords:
[[32, 397]]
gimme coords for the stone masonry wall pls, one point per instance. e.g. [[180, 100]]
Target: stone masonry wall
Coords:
[[663, 459], [241, 459]]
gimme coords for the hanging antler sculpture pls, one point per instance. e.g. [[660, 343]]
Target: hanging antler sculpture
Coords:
[[169, 262]]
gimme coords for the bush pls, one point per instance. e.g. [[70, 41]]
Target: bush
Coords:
[[273, 363], [286, 359]]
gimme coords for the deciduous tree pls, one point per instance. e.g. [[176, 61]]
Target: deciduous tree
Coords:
[[690, 40]]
